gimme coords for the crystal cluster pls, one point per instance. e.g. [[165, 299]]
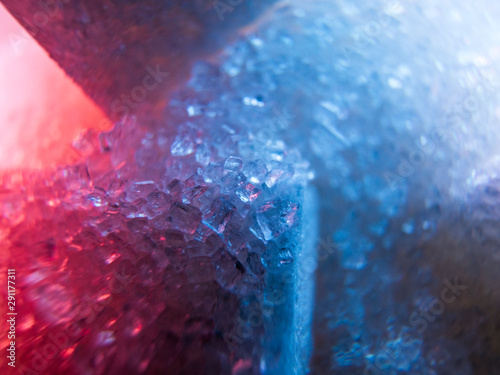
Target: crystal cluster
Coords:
[[167, 251]]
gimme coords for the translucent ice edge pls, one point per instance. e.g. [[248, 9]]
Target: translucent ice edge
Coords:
[[288, 326]]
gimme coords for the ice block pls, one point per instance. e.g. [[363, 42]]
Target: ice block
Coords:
[[127, 55], [184, 247]]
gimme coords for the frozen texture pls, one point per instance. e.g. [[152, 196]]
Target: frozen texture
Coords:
[[396, 107], [391, 109], [167, 251]]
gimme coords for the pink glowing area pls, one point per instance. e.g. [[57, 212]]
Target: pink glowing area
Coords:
[[42, 111]]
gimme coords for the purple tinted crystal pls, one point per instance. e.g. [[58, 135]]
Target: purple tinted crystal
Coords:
[[274, 218], [233, 164], [247, 193], [213, 172], [157, 202], [175, 187], [199, 248], [219, 214], [174, 240], [194, 186], [231, 182], [256, 171], [229, 269], [235, 239], [184, 217]]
